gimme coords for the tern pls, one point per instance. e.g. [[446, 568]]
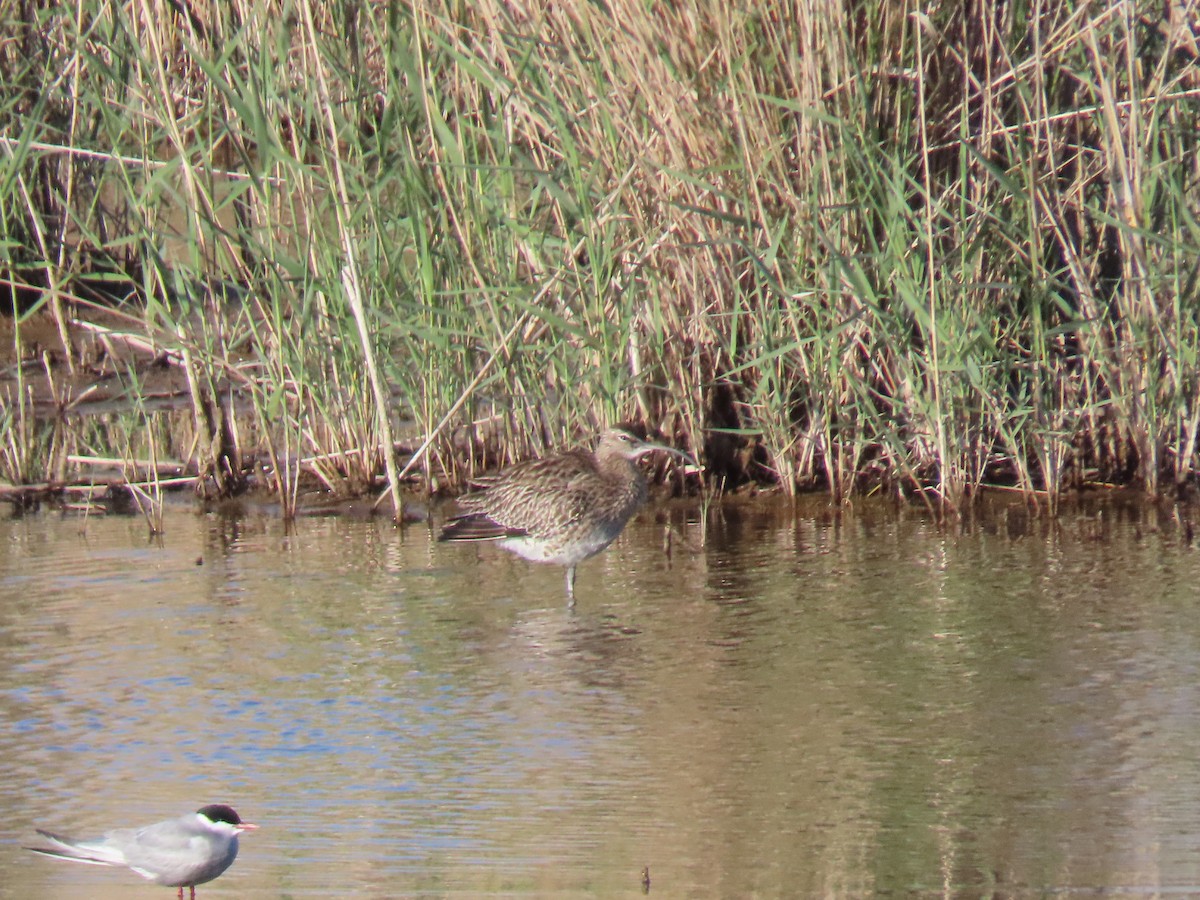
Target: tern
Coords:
[[183, 852]]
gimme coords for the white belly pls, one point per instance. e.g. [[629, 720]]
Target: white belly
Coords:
[[539, 550]]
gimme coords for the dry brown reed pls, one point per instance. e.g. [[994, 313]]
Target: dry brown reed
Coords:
[[851, 246]]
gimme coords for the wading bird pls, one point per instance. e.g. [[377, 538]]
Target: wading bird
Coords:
[[560, 509]]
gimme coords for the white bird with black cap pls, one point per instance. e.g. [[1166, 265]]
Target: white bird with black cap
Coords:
[[183, 852]]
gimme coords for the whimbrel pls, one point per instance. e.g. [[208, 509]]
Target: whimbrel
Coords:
[[559, 509]]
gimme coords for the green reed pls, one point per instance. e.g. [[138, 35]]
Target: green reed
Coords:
[[926, 252]]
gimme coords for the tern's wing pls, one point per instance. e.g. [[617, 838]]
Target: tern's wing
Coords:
[[176, 853]]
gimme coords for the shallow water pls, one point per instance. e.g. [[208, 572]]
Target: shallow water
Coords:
[[809, 704]]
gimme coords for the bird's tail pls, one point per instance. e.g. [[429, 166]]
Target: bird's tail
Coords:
[[477, 527], [76, 851]]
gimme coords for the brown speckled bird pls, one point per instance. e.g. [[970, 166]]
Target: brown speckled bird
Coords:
[[560, 509]]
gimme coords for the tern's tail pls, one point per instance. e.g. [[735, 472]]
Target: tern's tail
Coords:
[[76, 851]]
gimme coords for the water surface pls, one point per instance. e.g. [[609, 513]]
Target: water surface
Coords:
[[799, 703]]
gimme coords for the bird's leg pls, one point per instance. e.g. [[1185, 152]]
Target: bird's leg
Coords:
[[193, 892], [570, 585], [181, 892]]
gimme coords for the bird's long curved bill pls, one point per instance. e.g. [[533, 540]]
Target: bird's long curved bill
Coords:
[[686, 457]]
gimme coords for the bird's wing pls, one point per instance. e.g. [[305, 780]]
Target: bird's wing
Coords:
[[169, 853], [530, 496], [170, 835], [552, 497]]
